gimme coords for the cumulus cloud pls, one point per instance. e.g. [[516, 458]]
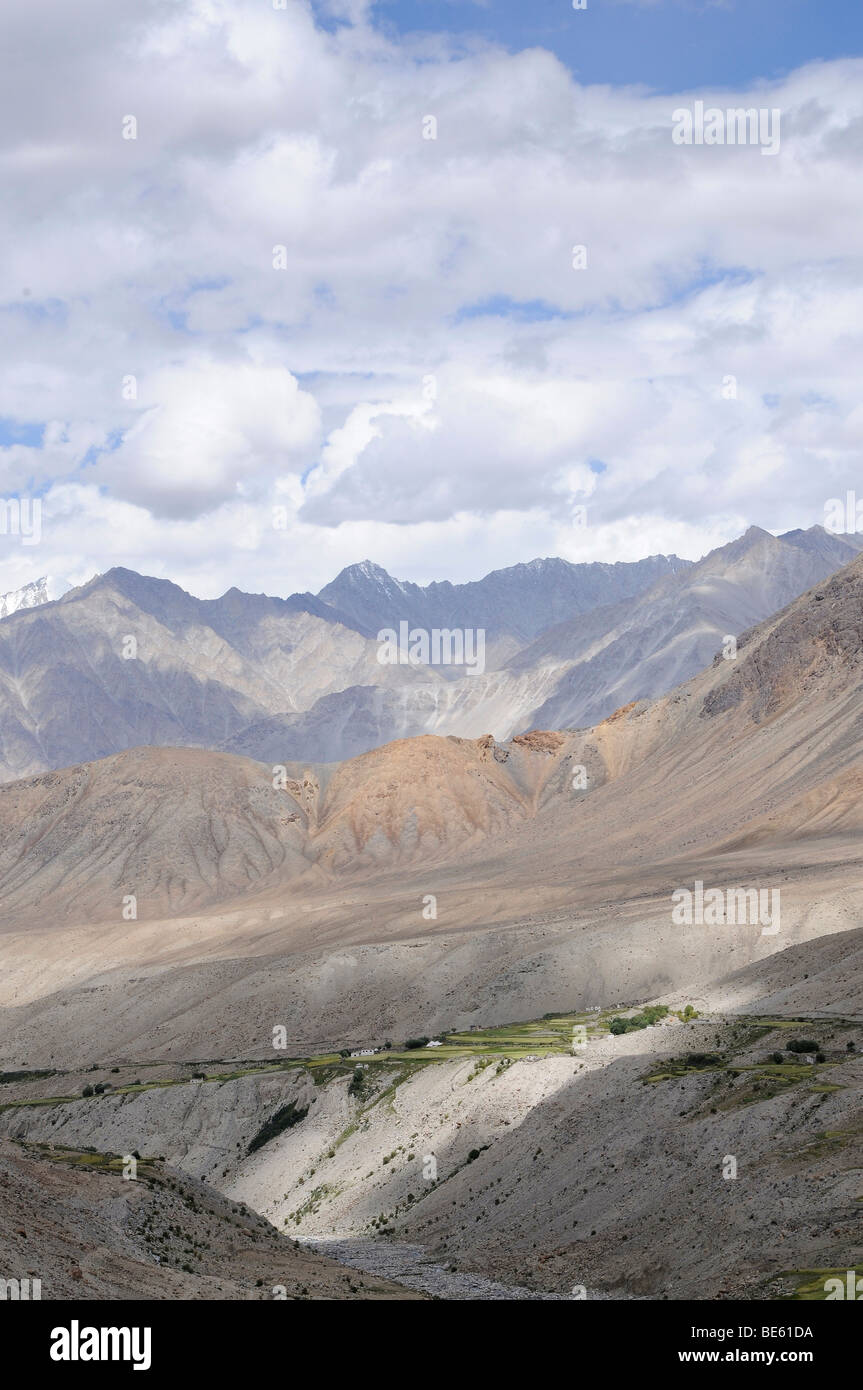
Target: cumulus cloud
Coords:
[[302, 377], [213, 431]]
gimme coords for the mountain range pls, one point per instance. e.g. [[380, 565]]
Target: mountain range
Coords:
[[126, 660], [749, 770]]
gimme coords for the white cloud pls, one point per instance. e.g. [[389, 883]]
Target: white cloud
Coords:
[[154, 257], [211, 431]]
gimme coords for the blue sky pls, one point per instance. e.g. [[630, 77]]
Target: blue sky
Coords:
[[670, 45], [21, 432]]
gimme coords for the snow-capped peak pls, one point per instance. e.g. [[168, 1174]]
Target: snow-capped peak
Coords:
[[31, 595]]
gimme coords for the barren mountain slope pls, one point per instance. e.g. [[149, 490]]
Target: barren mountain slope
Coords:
[[512, 605], [182, 829], [576, 671], [642, 648], [348, 722], [546, 893], [70, 1220], [177, 828], [127, 660]]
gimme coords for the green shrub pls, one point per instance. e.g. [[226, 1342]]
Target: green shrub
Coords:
[[652, 1014], [802, 1045], [284, 1118]]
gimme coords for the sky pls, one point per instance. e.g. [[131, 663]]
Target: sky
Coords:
[[287, 285], [666, 45]]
